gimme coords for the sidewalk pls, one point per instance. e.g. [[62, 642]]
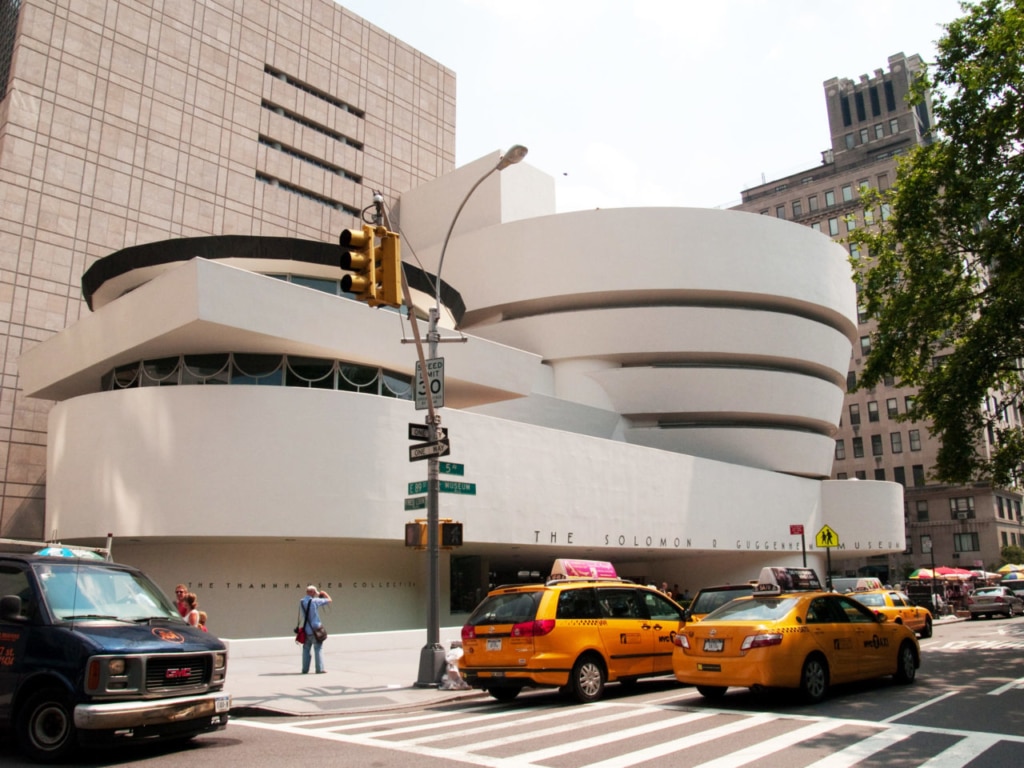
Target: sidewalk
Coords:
[[365, 673]]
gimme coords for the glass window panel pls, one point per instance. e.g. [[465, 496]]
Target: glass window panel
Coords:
[[257, 369], [317, 284], [312, 372], [206, 369], [397, 385], [161, 373], [358, 378]]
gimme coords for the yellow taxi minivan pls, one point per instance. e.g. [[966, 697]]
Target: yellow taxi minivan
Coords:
[[581, 629]]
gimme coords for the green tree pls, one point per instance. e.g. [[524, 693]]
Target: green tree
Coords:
[[943, 273], [1012, 554]]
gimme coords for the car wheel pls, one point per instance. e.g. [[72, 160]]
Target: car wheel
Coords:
[[712, 692], [974, 616], [504, 694], [814, 679], [587, 680], [927, 631], [46, 726], [1010, 612], [906, 665]]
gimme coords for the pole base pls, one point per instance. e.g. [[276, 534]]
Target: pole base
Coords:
[[432, 666]]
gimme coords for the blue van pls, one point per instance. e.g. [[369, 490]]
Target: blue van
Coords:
[[92, 652]]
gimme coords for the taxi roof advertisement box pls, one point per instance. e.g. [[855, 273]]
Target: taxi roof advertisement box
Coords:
[[564, 568]]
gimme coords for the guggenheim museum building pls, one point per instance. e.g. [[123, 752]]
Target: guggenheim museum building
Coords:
[[657, 387]]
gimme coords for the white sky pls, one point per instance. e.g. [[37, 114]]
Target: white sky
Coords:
[[655, 102]]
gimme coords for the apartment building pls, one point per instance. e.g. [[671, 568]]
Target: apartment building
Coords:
[[125, 123], [872, 126]]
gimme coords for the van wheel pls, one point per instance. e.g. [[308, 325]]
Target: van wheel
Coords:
[[814, 679], [906, 665], [587, 680], [45, 726], [504, 694]]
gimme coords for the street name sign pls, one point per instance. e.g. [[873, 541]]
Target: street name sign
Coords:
[[451, 468], [450, 486], [416, 502], [426, 450], [420, 486], [433, 389]]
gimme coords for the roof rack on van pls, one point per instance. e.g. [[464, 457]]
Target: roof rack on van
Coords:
[[41, 546]]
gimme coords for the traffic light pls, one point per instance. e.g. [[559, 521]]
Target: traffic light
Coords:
[[362, 260], [390, 270], [451, 534], [416, 535]]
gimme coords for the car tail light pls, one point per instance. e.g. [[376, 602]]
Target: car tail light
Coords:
[[468, 632], [537, 628], [999, 599], [761, 641], [681, 641]]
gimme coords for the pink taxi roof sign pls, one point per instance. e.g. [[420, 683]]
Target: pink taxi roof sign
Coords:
[[565, 568]]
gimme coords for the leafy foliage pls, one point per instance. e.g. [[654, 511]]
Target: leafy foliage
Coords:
[[1012, 554], [943, 274]]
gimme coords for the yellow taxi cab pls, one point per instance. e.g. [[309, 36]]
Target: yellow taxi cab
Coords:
[[898, 608], [792, 634], [583, 628]]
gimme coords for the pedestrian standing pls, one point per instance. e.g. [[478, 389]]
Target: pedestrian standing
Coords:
[[309, 610]]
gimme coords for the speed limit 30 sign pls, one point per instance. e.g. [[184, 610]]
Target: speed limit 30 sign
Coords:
[[434, 387]]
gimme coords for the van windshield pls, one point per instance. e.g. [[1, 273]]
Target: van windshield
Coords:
[[81, 591]]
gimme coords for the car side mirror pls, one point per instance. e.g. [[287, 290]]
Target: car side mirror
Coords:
[[880, 617], [10, 608]]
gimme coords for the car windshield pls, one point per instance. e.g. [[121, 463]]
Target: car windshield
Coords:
[[82, 591], [754, 609], [510, 608]]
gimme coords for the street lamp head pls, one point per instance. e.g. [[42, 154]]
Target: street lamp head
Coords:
[[515, 153]]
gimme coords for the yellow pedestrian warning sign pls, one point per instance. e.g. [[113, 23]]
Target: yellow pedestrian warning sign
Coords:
[[826, 537]]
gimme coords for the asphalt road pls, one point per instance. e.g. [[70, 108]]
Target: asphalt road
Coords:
[[966, 707]]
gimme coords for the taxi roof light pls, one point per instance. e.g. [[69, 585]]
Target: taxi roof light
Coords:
[[762, 640], [565, 568]]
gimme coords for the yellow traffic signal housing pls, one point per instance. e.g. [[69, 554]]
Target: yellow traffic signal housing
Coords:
[[416, 535], [360, 260], [390, 270]]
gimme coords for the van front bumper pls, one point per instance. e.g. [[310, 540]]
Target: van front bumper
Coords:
[[117, 715]]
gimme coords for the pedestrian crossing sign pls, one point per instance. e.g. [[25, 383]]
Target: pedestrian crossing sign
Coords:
[[826, 537]]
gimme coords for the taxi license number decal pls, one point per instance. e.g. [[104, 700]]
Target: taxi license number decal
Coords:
[[494, 645], [709, 667], [714, 645]]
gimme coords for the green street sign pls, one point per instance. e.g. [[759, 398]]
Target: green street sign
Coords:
[[450, 486], [451, 468], [416, 502], [420, 487]]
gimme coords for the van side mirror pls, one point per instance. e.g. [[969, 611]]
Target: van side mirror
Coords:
[[10, 608]]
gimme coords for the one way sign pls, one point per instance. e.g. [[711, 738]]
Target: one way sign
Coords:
[[426, 450]]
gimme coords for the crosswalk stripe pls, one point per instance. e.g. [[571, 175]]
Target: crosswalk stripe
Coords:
[[761, 749], [963, 752], [639, 756], [854, 753]]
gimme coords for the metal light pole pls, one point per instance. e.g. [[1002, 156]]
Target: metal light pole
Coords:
[[432, 661]]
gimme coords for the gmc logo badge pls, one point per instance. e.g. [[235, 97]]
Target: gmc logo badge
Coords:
[[177, 674]]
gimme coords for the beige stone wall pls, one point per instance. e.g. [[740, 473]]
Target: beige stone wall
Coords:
[[127, 122]]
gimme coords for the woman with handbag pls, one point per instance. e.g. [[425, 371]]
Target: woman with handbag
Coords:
[[313, 627]]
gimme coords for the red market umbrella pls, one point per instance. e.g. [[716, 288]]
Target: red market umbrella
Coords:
[[952, 573], [922, 573]]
